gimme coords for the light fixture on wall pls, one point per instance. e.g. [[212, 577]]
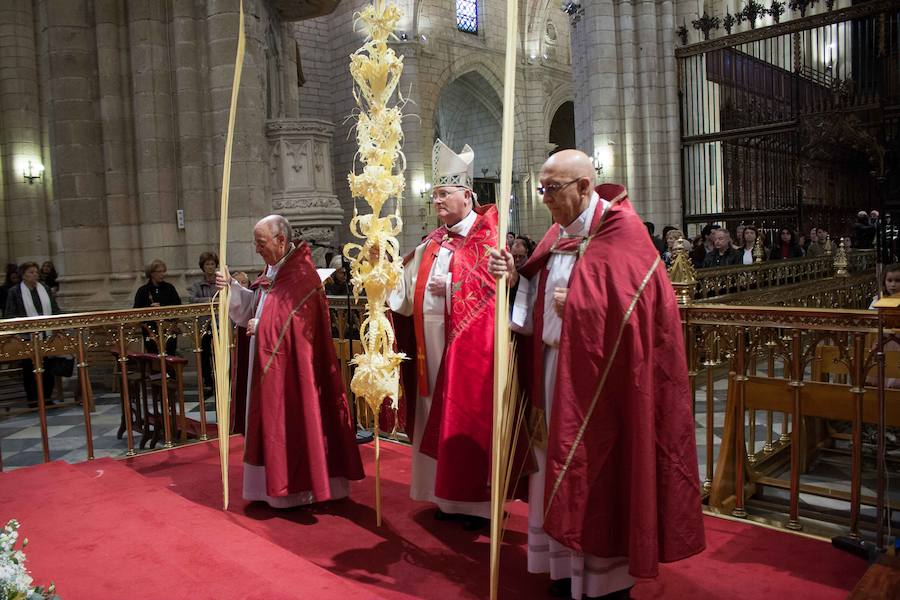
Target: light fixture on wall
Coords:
[[423, 188], [602, 158], [403, 36], [598, 165], [32, 171]]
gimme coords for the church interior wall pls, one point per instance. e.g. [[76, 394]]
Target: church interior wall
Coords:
[[126, 104]]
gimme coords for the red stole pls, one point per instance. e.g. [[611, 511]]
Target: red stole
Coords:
[[621, 474], [458, 431], [299, 424]]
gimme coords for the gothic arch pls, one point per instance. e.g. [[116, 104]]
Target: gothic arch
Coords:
[[559, 97], [470, 63]]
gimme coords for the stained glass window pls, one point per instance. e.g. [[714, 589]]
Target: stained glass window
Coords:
[[467, 15]]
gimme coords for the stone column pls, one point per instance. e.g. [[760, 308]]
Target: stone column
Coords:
[[23, 214], [301, 180], [118, 142], [249, 199], [76, 138], [626, 101]]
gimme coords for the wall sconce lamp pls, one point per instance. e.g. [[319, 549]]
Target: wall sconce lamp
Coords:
[[602, 158], [598, 164], [423, 189], [32, 171]]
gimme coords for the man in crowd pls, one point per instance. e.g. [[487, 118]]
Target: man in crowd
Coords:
[[863, 231], [723, 254], [300, 445], [820, 246], [617, 489], [448, 291]]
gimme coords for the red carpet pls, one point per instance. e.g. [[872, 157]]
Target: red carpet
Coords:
[[101, 531], [414, 556]]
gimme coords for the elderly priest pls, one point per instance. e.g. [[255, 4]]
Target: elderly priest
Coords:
[[300, 445], [617, 489]]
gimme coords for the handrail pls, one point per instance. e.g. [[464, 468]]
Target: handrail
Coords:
[[717, 281]]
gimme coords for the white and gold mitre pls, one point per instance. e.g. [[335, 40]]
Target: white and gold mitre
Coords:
[[450, 168]]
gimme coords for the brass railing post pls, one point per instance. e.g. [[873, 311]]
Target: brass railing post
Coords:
[[858, 373], [126, 400], [86, 397], [38, 360], [796, 383], [768, 447], [740, 456], [164, 382], [198, 361], [710, 364]]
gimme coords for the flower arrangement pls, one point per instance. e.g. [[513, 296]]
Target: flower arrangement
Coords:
[[15, 582]]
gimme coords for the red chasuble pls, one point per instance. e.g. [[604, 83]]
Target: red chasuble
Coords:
[[622, 475], [458, 431], [299, 424]]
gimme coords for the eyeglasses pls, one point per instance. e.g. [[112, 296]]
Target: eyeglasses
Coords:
[[552, 188], [443, 193]]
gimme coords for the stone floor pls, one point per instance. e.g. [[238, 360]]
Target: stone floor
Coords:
[[20, 435]]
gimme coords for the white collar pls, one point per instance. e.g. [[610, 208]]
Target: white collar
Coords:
[[463, 227], [272, 270], [582, 224]]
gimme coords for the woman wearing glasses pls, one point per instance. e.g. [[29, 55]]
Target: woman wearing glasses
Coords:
[[157, 292]]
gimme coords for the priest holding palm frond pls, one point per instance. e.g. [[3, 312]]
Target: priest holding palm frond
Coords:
[[617, 490]]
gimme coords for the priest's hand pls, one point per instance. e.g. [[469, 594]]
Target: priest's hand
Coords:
[[251, 326], [223, 278], [437, 285], [501, 263], [559, 300]]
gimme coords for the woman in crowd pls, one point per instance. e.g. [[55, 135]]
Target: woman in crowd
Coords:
[[750, 235], [31, 298], [786, 247], [157, 292], [202, 291], [49, 276], [672, 237]]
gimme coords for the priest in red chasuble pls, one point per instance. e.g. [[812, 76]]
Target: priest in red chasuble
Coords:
[[617, 490], [448, 291], [299, 446]]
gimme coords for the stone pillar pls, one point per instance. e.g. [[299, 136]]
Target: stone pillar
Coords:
[[626, 100], [301, 180], [76, 137], [249, 199], [118, 141], [155, 148], [23, 214]]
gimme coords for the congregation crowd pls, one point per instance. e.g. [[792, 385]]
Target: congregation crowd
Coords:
[[718, 246]]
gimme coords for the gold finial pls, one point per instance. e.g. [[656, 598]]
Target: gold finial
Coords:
[[682, 274], [840, 261], [829, 247], [758, 253]]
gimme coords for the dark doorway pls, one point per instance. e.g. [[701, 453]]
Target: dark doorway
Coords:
[[562, 127]]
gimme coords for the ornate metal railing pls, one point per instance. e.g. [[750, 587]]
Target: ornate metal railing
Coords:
[[110, 337], [715, 283], [793, 376]]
